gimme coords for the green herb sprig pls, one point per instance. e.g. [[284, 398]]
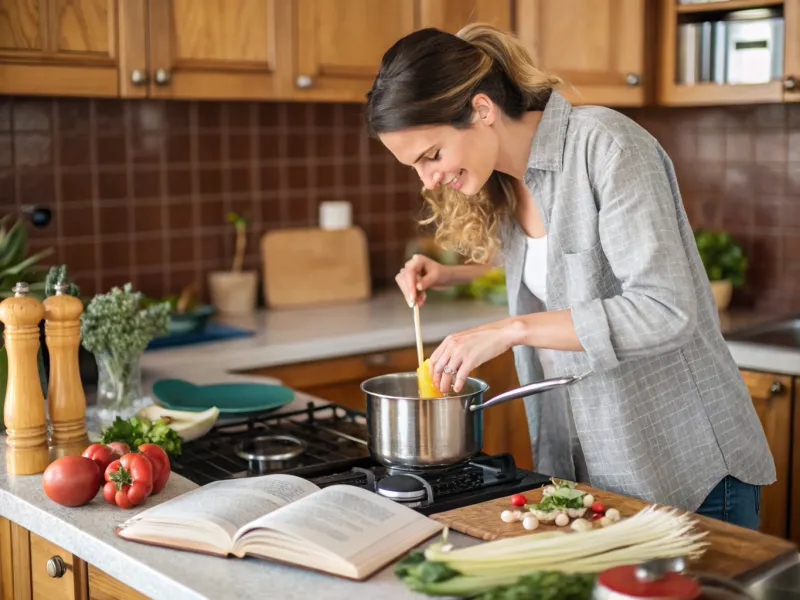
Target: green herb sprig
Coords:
[[135, 432]]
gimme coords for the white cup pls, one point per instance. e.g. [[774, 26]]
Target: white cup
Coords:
[[335, 214]]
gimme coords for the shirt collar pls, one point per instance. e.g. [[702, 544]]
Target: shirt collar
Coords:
[[547, 147]]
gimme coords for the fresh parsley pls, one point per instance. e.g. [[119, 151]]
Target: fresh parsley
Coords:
[[135, 432]]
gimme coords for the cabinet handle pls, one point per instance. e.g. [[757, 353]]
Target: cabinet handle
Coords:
[[376, 360], [162, 76], [790, 84], [632, 79], [138, 77], [304, 81], [56, 567], [776, 388]]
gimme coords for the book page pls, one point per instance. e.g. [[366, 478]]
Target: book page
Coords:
[[232, 503], [342, 520]]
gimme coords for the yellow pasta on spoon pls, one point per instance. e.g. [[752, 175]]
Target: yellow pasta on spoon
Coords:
[[427, 389]]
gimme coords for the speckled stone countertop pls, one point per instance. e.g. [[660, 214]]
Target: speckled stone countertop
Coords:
[[160, 573]]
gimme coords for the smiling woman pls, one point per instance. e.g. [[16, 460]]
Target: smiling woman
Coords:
[[582, 207]]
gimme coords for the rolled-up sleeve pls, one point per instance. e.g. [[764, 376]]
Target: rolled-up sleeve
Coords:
[[638, 228]]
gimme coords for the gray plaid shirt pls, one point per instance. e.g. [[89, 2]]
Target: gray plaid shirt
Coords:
[[665, 413]]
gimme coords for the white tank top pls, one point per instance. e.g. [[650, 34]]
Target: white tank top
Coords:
[[534, 276]]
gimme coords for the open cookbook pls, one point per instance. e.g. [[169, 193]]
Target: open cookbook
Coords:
[[342, 530]]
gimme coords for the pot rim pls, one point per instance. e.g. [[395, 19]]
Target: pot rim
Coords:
[[482, 385]]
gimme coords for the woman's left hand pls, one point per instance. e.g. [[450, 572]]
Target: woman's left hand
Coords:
[[460, 353]]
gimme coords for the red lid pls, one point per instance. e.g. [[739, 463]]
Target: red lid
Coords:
[[672, 586]]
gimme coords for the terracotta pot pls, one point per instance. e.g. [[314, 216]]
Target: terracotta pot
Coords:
[[233, 293], [722, 291]]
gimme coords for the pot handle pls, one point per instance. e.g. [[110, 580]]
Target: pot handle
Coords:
[[528, 390]]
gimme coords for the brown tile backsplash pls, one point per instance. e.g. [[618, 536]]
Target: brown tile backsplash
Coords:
[[139, 189]]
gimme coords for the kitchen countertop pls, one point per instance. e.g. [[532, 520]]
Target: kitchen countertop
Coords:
[[381, 323], [162, 573]]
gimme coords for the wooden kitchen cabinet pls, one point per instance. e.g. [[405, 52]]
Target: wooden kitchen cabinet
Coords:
[[64, 47], [33, 568], [596, 46], [772, 397], [339, 379]]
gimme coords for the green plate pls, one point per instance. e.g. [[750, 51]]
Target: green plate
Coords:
[[232, 399]]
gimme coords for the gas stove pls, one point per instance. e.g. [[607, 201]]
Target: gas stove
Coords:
[[327, 444]]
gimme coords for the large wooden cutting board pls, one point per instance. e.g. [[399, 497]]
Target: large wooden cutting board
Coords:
[[312, 266], [734, 551]]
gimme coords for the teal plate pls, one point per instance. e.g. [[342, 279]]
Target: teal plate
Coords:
[[232, 399]]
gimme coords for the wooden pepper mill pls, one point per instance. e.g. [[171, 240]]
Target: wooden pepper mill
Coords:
[[66, 402], [24, 412]]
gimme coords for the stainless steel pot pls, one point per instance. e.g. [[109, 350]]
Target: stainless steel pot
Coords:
[[410, 433]]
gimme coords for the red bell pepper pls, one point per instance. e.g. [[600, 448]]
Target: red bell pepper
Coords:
[[129, 480]]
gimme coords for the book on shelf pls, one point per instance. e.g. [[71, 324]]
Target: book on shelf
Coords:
[[341, 530]]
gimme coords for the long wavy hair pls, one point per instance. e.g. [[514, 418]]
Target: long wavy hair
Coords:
[[429, 77]]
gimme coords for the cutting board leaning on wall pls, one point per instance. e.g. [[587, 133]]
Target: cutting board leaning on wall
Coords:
[[313, 266]]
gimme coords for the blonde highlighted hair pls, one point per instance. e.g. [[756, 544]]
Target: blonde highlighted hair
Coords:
[[429, 77]]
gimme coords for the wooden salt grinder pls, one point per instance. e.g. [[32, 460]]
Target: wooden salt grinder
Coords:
[[66, 401], [24, 412]]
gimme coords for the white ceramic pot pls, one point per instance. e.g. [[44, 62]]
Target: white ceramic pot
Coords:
[[722, 291], [233, 293]]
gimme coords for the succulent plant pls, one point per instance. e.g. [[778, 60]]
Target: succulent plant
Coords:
[[15, 264], [58, 274]]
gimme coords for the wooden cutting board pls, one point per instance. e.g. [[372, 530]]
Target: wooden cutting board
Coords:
[[734, 551], [312, 266]]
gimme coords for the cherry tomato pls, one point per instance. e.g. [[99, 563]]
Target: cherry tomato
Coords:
[[120, 448], [161, 467], [102, 455], [71, 480], [518, 500], [596, 516], [598, 507]]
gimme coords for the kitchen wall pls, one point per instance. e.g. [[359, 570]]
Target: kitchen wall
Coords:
[[140, 188]]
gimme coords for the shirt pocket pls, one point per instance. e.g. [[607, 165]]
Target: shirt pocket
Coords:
[[589, 275]]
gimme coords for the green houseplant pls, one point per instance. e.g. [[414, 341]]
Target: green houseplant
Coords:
[[724, 261], [234, 292]]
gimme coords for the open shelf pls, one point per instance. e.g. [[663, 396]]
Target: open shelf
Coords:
[[729, 5]]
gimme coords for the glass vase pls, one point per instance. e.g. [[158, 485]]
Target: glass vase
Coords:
[[119, 385]]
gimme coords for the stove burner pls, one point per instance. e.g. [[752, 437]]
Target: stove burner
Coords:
[[402, 487], [266, 453]]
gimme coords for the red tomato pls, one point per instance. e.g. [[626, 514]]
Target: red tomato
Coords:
[[161, 468], [597, 507], [102, 455], [120, 448], [518, 500], [129, 480], [596, 516], [71, 480]]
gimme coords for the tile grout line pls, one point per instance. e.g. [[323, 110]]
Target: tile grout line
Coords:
[[95, 176]]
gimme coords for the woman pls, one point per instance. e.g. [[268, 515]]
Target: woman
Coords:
[[582, 207]]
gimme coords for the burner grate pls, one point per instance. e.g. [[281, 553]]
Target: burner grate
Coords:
[[332, 434]]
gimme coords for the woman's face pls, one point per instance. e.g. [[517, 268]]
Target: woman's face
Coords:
[[463, 159]]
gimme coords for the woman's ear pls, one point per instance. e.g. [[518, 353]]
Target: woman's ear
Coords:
[[485, 109]]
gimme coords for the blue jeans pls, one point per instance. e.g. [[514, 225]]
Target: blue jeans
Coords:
[[733, 501]]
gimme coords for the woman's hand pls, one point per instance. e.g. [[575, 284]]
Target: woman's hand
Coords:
[[460, 353], [419, 274]]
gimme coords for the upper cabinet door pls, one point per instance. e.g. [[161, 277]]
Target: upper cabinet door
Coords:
[[597, 46], [339, 44], [225, 49], [452, 15], [791, 81], [60, 47]]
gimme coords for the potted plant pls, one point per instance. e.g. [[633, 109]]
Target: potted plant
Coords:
[[724, 261], [234, 292]]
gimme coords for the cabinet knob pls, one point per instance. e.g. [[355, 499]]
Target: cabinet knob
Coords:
[[138, 77], [776, 388], [632, 79], [304, 81], [790, 84], [56, 567], [162, 76]]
